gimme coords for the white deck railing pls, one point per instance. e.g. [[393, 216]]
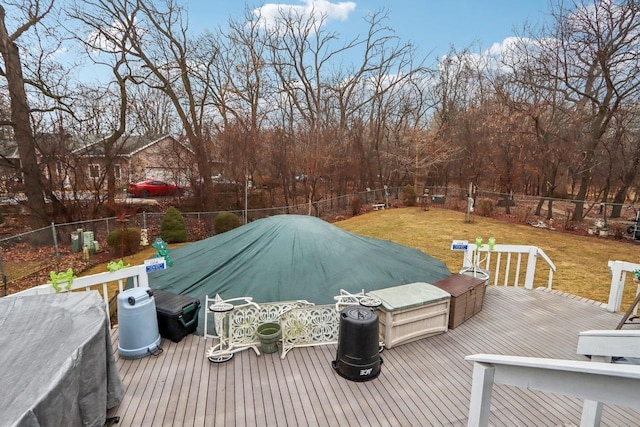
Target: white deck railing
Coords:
[[483, 258], [619, 270], [138, 274]]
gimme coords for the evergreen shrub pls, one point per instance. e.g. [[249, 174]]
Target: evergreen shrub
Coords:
[[173, 228], [225, 221]]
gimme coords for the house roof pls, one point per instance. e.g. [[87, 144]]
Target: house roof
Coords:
[[126, 147]]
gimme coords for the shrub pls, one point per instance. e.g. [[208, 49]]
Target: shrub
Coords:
[[408, 195], [124, 241], [173, 228], [484, 207], [356, 205], [225, 221]]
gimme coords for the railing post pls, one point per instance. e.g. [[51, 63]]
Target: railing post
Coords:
[[531, 267], [617, 285], [468, 259], [143, 278], [481, 390]]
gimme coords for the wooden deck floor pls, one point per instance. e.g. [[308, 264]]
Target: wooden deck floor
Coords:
[[426, 382]]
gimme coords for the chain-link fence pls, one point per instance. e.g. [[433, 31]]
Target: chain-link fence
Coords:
[[27, 259]]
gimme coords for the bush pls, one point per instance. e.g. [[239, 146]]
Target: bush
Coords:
[[484, 207], [225, 221], [356, 205], [124, 241], [408, 195], [173, 228]]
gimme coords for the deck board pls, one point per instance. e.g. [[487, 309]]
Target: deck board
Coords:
[[426, 382]]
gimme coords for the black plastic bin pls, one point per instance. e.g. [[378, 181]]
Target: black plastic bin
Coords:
[[358, 356], [177, 314]]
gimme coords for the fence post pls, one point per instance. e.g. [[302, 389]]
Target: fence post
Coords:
[[4, 278], [55, 241]]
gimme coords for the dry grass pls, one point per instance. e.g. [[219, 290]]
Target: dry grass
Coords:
[[581, 261]]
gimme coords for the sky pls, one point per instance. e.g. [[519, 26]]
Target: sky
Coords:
[[433, 25]]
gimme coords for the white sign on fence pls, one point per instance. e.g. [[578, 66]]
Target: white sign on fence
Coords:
[[155, 264], [459, 245]]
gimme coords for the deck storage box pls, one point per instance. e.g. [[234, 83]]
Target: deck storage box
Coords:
[[177, 314], [411, 312], [467, 296]]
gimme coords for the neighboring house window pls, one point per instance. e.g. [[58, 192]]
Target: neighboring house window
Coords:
[[116, 171], [94, 171]]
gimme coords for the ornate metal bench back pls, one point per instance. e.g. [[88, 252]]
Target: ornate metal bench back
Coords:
[[244, 322], [306, 326]]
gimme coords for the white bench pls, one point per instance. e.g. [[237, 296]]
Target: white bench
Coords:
[[377, 206], [599, 382], [596, 381]]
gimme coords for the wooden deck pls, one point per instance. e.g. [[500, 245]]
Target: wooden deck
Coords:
[[426, 382]]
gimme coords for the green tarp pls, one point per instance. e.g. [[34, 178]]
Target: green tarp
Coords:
[[292, 257]]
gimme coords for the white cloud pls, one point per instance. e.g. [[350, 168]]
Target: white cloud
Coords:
[[509, 47], [271, 13], [111, 39]]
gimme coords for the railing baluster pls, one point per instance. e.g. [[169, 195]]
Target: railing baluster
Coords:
[[507, 270]]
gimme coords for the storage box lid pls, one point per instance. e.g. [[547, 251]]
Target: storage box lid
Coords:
[[169, 303], [407, 296], [459, 284]]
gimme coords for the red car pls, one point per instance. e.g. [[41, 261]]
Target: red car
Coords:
[[153, 187]]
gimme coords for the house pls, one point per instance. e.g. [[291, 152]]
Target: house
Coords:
[[134, 158], [74, 163]]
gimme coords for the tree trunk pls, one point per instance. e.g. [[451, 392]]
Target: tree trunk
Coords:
[[21, 122], [621, 194]]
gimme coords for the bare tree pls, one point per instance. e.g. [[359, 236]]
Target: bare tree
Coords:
[[151, 112], [626, 156], [590, 50], [153, 36], [327, 104], [244, 86], [33, 12]]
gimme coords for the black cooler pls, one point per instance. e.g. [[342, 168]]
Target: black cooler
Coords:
[[177, 314]]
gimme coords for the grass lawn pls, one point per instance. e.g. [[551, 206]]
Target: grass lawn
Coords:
[[581, 261]]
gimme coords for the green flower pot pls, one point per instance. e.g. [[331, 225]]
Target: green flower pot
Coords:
[[269, 334]]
